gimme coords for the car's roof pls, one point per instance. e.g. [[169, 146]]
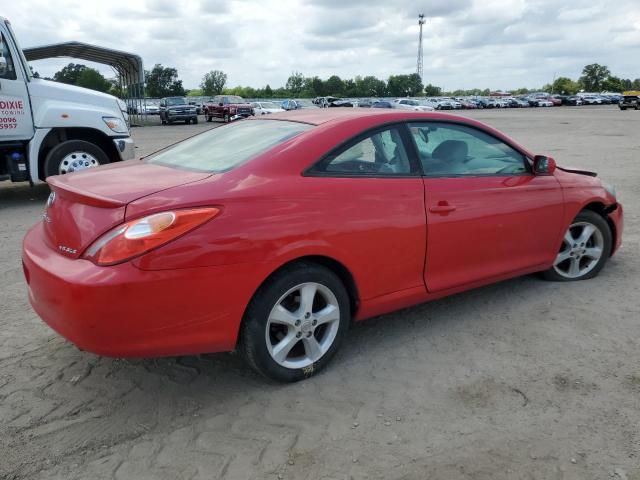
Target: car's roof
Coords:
[[319, 116]]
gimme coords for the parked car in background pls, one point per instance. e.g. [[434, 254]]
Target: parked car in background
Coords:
[[572, 100], [297, 104], [149, 107], [630, 99], [591, 99], [228, 108], [517, 103], [199, 104], [410, 104], [263, 108], [501, 103], [184, 252], [176, 109], [466, 104], [443, 103], [343, 102], [383, 104], [366, 102]]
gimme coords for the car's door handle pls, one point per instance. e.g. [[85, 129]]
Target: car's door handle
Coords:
[[442, 207]]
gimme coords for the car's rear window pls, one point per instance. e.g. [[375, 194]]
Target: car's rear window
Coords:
[[224, 148]]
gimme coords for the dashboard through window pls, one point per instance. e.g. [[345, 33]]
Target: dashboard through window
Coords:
[[447, 149]]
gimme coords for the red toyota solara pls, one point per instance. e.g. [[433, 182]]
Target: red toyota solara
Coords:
[[270, 235]]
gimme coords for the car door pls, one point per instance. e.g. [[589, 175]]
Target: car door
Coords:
[[487, 214], [372, 200], [15, 111]]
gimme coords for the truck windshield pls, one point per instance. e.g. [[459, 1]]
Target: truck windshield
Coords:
[[176, 101], [226, 147]]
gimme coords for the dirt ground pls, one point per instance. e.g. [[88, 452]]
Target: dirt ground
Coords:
[[520, 380]]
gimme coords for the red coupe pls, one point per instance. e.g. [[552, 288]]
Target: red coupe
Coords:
[[270, 235]]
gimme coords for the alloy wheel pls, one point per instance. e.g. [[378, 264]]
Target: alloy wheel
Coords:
[[581, 250], [302, 325]]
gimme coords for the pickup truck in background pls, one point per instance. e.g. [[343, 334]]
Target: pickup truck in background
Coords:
[[49, 128], [227, 107], [629, 99]]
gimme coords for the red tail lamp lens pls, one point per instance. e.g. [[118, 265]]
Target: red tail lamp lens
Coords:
[[144, 234]]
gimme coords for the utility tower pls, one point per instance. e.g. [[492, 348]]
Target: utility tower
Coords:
[[420, 68]]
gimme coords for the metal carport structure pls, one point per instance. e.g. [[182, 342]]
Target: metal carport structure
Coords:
[[128, 67]]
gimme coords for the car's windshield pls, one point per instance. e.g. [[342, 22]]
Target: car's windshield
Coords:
[[234, 99], [268, 105], [176, 101], [224, 148]]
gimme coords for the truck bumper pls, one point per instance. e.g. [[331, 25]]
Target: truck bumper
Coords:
[[126, 148]]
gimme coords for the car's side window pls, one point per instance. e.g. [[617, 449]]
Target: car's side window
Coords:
[[380, 153], [448, 149]]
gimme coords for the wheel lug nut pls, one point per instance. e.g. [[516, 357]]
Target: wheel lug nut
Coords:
[[308, 334], [299, 334], [314, 323], [307, 315], [297, 323]]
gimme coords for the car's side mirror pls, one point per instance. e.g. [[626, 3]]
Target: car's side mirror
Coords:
[[543, 165]]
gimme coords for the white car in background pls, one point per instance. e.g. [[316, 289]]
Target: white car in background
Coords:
[[410, 104], [263, 108], [149, 108], [543, 102]]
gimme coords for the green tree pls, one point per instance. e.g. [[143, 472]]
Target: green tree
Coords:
[[69, 74], [613, 84], [370, 86], [268, 93], [295, 83], [213, 82], [195, 92], [334, 86], [404, 85], [93, 79], [564, 85], [163, 82], [593, 77], [432, 91]]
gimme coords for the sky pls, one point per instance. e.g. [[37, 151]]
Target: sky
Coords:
[[497, 44]]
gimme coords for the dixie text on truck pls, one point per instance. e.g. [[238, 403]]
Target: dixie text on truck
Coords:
[[49, 128]]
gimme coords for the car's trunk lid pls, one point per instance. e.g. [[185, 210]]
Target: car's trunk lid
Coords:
[[86, 204]]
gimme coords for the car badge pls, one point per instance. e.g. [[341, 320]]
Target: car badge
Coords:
[[51, 199]]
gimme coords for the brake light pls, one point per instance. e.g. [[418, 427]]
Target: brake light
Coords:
[[142, 235]]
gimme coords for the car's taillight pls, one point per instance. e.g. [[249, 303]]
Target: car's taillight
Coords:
[[144, 234]]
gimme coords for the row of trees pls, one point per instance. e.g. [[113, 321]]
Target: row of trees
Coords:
[[163, 81]]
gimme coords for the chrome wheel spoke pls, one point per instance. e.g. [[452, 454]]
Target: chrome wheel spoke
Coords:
[[328, 314], [307, 295], [283, 316], [312, 348], [568, 238], [593, 252], [584, 237], [282, 348], [562, 256], [574, 267]]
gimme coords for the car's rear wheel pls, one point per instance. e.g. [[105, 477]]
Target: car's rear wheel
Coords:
[[584, 251], [295, 323]]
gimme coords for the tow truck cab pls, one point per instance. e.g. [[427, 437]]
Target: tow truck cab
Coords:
[[49, 128]]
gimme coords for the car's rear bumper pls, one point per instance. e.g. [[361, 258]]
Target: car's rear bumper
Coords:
[[617, 217], [123, 311]]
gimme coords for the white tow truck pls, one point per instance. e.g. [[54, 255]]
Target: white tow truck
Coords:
[[49, 128]]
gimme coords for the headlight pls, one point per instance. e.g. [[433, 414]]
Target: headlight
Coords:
[[609, 188], [118, 125]]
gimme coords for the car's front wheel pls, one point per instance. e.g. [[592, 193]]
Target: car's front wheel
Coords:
[[584, 251], [295, 323]]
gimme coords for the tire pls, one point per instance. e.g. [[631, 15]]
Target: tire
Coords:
[[579, 253], [195, 121], [624, 108], [261, 333], [77, 153], [209, 118], [226, 118]]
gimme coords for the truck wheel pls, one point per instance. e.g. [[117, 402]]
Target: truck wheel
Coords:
[[209, 118], [226, 118], [195, 120], [72, 156]]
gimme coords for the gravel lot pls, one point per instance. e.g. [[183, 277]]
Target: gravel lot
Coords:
[[520, 380]]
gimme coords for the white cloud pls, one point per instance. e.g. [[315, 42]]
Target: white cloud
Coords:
[[468, 43]]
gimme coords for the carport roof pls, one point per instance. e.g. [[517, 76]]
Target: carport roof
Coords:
[[128, 65]]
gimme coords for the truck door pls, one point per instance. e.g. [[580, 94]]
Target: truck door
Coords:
[[15, 112]]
